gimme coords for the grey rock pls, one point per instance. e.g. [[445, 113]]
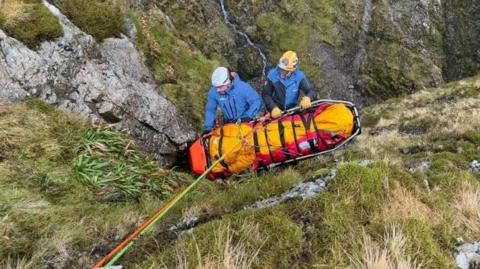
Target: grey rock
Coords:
[[366, 163], [423, 166], [102, 82], [475, 165], [184, 225], [305, 190], [467, 256]]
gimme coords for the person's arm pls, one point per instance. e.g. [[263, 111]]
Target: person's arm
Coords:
[[308, 89], [210, 111], [267, 95], [254, 102]]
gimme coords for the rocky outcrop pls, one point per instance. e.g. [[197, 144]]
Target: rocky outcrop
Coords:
[[467, 256], [105, 83]]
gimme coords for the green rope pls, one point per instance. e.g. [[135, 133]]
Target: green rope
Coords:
[[171, 204]]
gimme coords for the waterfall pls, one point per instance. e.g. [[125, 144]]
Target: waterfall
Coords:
[[236, 29]]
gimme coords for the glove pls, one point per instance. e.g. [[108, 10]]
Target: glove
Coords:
[[305, 103], [246, 119], [276, 112]]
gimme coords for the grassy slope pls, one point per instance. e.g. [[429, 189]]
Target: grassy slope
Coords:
[[47, 217], [366, 208]]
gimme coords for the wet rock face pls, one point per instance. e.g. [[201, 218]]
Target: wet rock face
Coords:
[[462, 38], [105, 83]]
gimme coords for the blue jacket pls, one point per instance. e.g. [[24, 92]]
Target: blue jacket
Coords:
[[284, 93], [241, 101]]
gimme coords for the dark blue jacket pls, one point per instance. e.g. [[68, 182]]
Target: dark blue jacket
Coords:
[[285, 93], [241, 101]]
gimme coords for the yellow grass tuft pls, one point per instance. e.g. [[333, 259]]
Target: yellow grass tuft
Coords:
[[233, 254], [467, 205], [17, 264], [15, 11], [388, 254], [404, 205]]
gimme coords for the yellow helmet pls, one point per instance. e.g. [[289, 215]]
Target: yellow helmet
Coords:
[[288, 61]]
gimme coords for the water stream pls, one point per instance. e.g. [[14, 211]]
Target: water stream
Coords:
[[236, 29]]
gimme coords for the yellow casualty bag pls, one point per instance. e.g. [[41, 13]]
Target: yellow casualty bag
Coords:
[[236, 141]]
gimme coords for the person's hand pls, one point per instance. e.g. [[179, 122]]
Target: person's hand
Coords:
[[305, 103], [276, 113]]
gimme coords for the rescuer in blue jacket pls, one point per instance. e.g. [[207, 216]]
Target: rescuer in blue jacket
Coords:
[[283, 86], [236, 98]]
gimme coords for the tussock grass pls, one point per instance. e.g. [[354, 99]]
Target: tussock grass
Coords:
[[232, 253], [28, 21], [111, 167], [390, 253], [404, 204], [101, 19], [14, 12], [468, 210], [18, 264], [47, 217]]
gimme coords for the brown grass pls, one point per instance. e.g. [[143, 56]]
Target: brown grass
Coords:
[[388, 254], [233, 254], [467, 205], [15, 11], [404, 205], [17, 264]]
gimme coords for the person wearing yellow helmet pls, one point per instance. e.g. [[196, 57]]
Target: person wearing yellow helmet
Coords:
[[283, 86]]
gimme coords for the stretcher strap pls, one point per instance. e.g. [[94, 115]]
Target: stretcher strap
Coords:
[[220, 153], [266, 142], [281, 132], [306, 124], [295, 135], [255, 142], [312, 118]]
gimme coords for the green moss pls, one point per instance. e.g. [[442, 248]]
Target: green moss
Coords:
[[461, 39], [423, 246], [369, 119], [473, 136], [37, 26], [2, 20], [340, 214], [393, 70], [99, 18]]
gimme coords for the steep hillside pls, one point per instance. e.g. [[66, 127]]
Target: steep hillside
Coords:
[[363, 51], [404, 192]]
